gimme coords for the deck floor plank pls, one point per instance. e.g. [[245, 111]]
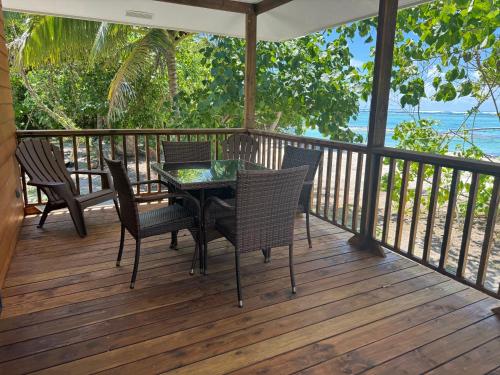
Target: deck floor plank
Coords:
[[68, 309]]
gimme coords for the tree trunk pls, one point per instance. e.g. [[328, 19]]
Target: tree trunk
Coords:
[[170, 58]]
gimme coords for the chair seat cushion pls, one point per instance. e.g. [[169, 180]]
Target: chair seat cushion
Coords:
[[165, 219], [95, 197], [227, 227]]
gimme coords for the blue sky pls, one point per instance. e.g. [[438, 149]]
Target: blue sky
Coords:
[[361, 53]]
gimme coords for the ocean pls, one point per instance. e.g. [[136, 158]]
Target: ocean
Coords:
[[488, 139]]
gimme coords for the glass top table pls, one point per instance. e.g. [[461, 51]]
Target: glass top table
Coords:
[[203, 175]]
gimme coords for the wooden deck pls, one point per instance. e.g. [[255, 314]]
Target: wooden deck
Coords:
[[68, 309]]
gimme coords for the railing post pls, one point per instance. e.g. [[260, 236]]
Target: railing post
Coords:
[[250, 69], [386, 30]]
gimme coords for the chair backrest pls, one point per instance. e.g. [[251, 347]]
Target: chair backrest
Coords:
[[44, 162], [179, 152], [266, 203], [240, 146], [295, 157], [129, 214]]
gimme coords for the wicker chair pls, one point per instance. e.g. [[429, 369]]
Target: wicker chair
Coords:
[[182, 152], [295, 157], [240, 146], [140, 225], [263, 214], [44, 164]]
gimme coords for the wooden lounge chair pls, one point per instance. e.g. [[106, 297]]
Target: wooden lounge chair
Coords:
[[240, 146], [44, 164], [263, 214]]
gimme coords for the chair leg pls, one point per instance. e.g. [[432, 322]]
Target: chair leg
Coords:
[[292, 274], [173, 241], [116, 206], [76, 213], [308, 230], [205, 256], [46, 211], [238, 280], [136, 262], [195, 257], [267, 254], [122, 241]]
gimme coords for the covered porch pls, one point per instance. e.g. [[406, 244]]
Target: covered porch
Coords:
[[386, 288]]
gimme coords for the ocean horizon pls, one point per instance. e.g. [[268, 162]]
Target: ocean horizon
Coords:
[[486, 134]]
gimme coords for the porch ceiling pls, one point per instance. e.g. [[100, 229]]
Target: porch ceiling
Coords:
[[293, 19]]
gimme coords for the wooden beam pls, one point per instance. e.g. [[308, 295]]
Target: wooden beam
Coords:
[[225, 5], [267, 5], [386, 30], [250, 69]]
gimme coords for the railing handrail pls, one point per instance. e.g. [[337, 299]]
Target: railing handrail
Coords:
[[311, 140], [104, 132], [446, 161]]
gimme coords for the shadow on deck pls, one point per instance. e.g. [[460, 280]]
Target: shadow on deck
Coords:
[[68, 309]]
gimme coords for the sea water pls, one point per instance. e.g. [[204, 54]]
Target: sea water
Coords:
[[487, 139]]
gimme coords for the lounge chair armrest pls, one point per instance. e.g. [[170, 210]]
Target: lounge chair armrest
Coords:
[[45, 184], [106, 181], [308, 183]]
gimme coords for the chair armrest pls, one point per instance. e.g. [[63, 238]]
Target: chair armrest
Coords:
[[219, 202], [149, 182], [90, 171], [154, 197], [45, 184], [308, 183]]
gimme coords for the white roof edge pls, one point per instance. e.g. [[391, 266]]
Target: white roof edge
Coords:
[[291, 20]]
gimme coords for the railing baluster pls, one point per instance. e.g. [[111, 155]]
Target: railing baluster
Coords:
[[89, 164], [280, 153], [416, 208], [489, 233], [388, 200], [113, 148], [148, 161], [450, 214], [431, 216], [101, 154], [75, 162], [124, 151], [338, 171], [319, 190], [347, 186], [158, 158], [328, 182], [468, 222], [402, 204], [357, 191], [268, 162], [136, 159]]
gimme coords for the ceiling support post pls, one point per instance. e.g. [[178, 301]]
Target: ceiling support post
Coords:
[[250, 69], [386, 30]]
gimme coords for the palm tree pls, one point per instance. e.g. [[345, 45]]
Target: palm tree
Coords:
[[50, 40]]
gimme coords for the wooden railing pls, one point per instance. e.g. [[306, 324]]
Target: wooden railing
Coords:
[[415, 215]]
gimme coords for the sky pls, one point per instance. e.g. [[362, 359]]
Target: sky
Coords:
[[361, 54]]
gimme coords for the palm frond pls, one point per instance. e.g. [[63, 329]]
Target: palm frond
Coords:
[[52, 40], [134, 67], [110, 41]]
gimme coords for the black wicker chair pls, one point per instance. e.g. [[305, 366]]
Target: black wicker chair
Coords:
[[182, 152], [263, 214], [140, 225], [295, 157], [240, 146]]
